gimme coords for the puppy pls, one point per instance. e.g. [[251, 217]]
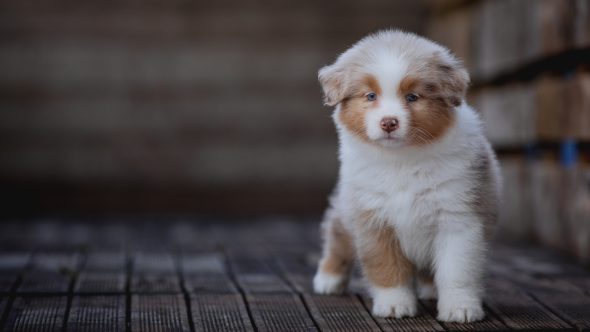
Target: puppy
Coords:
[[418, 187]]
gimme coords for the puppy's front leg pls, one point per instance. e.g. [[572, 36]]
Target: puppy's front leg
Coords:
[[459, 257], [334, 268], [388, 271]]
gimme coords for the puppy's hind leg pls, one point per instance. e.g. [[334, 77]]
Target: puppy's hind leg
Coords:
[[337, 258]]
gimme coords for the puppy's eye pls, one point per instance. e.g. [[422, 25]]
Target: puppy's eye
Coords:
[[411, 97], [371, 96]]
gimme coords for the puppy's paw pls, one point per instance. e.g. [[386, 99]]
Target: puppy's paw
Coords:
[[324, 283], [395, 302], [460, 311]]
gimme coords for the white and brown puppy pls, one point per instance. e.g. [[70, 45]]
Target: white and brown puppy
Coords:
[[419, 185]]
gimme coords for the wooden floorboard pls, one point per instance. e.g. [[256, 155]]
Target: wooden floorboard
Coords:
[[250, 276], [104, 313], [279, 312], [220, 312], [37, 314], [159, 312]]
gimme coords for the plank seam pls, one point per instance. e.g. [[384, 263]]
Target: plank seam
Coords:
[[189, 312], [70, 294], [283, 276], [551, 310], [241, 291]]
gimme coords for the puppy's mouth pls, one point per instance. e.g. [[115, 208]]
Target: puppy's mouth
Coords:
[[389, 137]]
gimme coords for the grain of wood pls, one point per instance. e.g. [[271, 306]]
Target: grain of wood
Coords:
[[220, 312], [573, 307], [340, 313], [36, 314], [160, 313], [97, 314], [279, 312], [520, 312]]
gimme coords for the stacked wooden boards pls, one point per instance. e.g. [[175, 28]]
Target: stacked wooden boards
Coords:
[[530, 63]]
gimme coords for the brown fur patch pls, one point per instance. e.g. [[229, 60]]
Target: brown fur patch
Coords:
[[430, 115], [338, 249], [383, 261], [354, 107]]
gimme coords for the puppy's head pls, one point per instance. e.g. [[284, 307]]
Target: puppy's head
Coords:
[[395, 89]]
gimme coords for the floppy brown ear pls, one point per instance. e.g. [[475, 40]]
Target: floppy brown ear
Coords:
[[333, 81], [453, 78]]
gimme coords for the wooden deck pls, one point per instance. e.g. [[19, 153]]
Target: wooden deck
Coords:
[[187, 275]]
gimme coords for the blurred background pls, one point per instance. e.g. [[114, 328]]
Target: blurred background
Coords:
[[213, 107]]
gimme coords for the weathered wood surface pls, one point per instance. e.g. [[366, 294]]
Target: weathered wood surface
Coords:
[[255, 276]]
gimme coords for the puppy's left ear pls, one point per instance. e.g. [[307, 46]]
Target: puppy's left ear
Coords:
[[333, 81], [453, 78]]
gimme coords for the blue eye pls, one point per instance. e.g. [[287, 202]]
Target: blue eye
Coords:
[[412, 97], [371, 96]]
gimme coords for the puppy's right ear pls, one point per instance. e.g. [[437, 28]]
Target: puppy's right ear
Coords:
[[333, 81]]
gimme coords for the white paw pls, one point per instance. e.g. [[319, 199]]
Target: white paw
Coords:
[[426, 292], [324, 283], [460, 312], [395, 302]]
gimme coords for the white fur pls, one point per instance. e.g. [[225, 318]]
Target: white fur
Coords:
[[395, 302], [421, 191], [324, 283]]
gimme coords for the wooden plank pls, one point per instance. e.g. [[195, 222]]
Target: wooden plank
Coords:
[[50, 272], [572, 307], [519, 311], [155, 283], [100, 282], [159, 313], [220, 312], [489, 323], [279, 312], [209, 283], [37, 314], [45, 282], [254, 275], [422, 322], [97, 314], [339, 313]]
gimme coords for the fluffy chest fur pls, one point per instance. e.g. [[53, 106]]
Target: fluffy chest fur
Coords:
[[408, 189]]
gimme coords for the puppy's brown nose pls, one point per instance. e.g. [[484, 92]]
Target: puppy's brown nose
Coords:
[[389, 124]]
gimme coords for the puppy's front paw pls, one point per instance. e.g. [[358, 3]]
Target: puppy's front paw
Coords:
[[460, 311], [324, 283], [395, 302]]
